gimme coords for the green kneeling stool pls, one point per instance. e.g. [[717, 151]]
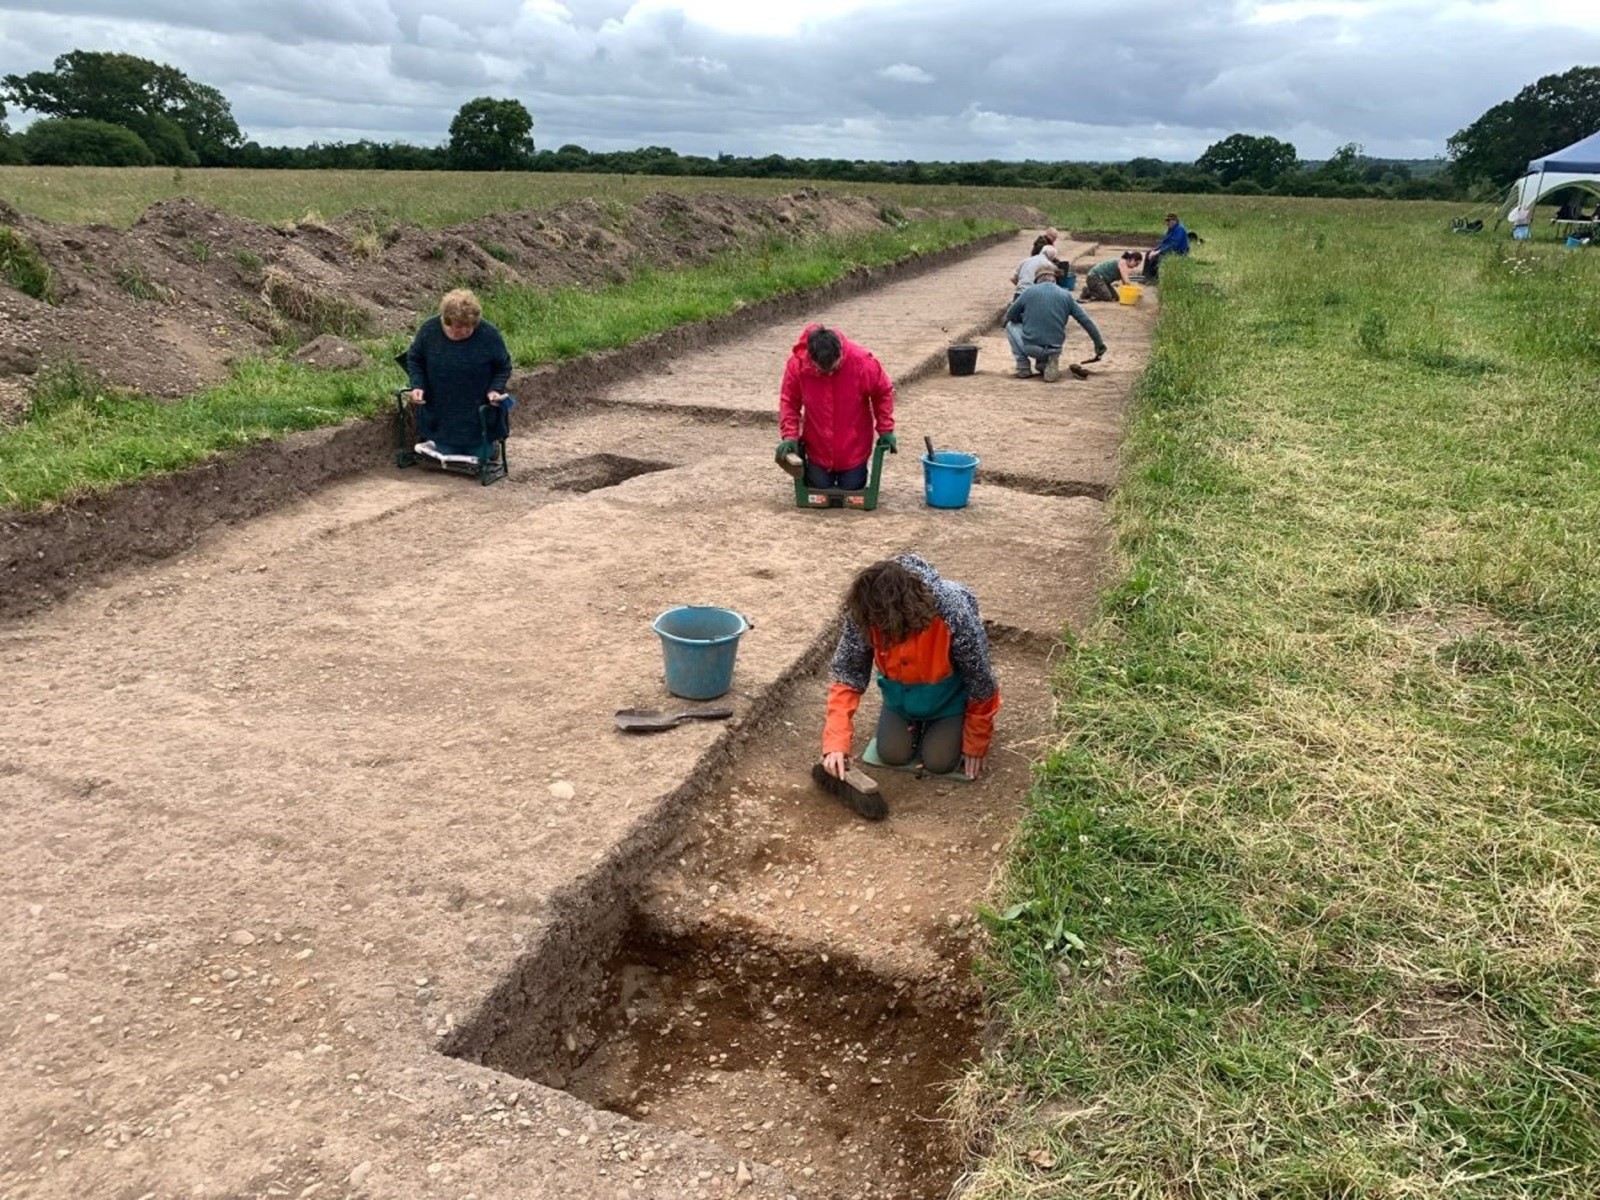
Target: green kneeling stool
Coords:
[[866, 499]]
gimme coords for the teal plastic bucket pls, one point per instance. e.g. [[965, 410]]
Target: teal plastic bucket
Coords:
[[947, 478], [699, 644]]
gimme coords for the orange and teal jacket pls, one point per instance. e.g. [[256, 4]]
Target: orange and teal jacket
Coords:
[[940, 671]]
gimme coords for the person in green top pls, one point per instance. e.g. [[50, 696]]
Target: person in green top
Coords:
[[1101, 281]]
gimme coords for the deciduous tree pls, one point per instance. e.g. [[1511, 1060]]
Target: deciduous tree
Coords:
[[491, 135], [1343, 165], [1262, 160], [81, 142], [152, 99], [166, 140], [10, 151], [1547, 115], [206, 118]]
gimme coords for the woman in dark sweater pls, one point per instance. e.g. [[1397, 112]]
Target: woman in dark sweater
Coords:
[[457, 362]]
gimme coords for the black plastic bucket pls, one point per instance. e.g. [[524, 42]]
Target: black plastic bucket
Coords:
[[963, 359]]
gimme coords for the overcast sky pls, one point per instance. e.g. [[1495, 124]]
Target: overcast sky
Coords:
[[877, 79]]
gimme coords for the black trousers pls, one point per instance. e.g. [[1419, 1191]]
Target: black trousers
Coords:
[[937, 743]]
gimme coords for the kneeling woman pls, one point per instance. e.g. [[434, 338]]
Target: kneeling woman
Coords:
[[458, 362], [926, 639]]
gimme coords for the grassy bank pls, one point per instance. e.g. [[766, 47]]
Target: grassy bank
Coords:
[[1306, 903], [76, 437]]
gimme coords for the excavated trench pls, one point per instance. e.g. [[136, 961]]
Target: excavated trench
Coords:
[[596, 471], [775, 975], [1035, 486], [753, 965], [758, 967], [808, 1061]]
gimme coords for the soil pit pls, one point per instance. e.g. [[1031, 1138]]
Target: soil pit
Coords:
[[795, 985], [596, 471], [805, 1061]]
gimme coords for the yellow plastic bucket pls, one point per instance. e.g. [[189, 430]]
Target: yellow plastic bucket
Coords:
[[1129, 293]]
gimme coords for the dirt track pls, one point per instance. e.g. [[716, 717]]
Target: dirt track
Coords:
[[337, 789]]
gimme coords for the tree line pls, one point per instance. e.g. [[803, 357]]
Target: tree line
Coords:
[[1346, 174], [108, 109]]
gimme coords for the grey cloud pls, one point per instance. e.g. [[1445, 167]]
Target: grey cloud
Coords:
[[363, 22], [1045, 80], [444, 67], [902, 72]]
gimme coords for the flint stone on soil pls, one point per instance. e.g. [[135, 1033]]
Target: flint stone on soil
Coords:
[[18, 360]]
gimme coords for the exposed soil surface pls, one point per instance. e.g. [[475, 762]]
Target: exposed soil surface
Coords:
[[337, 789], [164, 306], [51, 552], [813, 1063], [797, 986]]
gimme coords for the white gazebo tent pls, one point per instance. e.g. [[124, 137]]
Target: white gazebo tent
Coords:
[[1576, 166]]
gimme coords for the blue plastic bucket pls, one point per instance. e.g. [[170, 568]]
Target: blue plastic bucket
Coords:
[[699, 645], [947, 478]]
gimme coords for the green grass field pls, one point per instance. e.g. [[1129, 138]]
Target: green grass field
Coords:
[[117, 196], [1306, 904]]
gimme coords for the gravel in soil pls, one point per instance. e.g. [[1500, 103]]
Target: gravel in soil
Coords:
[[798, 987], [811, 1063]]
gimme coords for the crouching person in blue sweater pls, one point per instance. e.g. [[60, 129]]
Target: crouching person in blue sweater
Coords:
[[456, 363], [1036, 327]]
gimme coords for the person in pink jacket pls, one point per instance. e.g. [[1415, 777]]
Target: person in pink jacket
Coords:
[[834, 396]]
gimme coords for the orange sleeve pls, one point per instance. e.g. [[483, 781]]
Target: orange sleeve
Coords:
[[977, 729], [838, 731]]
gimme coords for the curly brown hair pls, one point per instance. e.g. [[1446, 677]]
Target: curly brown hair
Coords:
[[889, 600], [460, 309]]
